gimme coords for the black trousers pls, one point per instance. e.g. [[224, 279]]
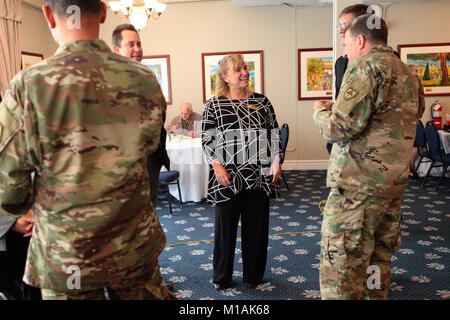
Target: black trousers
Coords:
[[12, 267], [154, 166], [253, 208]]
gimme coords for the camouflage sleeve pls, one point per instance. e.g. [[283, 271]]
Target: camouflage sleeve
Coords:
[[15, 171], [351, 111]]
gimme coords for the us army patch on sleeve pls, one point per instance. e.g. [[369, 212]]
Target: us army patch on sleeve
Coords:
[[350, 93]]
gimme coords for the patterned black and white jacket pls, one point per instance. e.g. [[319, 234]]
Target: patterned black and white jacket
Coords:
[[244, 136]]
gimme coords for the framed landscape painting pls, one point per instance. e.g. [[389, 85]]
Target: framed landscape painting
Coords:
[[160, 65], [432, 64], [210, 61], [315, 74], [30, 58]]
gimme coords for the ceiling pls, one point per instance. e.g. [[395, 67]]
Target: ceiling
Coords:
[[308, 3], [254, 3]]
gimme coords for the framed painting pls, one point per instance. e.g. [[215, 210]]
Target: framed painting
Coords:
[[160, 65], [30, 58], [315, 74], [432, 64], [210, 61]]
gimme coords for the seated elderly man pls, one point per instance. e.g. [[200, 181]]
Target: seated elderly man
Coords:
[[187, 123]]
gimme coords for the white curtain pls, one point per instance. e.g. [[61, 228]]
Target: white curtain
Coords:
[[10, 58]]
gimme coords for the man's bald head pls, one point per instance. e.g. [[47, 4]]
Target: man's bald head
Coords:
[[186, 110]]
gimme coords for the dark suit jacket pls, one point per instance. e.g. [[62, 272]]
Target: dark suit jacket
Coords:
[[339, 70], [161, 152]]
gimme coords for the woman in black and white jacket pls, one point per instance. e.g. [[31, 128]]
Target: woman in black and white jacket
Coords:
[[240, 136]]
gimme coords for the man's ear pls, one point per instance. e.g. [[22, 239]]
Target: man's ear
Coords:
[[116, 49], [49, 16], [361, 41], [103, 12]]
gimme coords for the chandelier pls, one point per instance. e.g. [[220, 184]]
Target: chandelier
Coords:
[[138, 12]]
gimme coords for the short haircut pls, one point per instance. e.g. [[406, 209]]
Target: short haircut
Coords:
[[59, 7], [356, 9], [374, 31], [117, 33]]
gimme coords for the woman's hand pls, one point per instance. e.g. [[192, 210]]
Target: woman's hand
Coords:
[[221, 173], [275, 170]]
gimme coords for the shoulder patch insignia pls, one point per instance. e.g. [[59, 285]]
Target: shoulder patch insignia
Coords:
[[350, 94]]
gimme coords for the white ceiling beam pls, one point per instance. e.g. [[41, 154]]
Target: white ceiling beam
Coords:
[[311, 3]]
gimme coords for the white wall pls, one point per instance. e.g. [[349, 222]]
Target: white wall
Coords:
[[35, 35], [186, 30], [421, 23]]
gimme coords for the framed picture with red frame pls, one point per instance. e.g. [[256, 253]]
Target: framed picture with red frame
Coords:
[[315, 74], [431, 62], [210, 62]]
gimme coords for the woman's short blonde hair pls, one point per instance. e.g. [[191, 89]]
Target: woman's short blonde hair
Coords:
[[230, 61]]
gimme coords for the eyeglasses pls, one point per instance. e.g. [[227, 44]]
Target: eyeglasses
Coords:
[[342, 26]]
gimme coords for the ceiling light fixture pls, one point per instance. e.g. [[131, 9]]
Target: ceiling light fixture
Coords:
[[138, 12]]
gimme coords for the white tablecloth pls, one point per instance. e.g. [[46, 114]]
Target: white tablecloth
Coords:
[[445, 140], [436, 172], [186, 156]]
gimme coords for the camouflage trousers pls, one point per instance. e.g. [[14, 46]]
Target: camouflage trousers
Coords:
[[360, 233], [154, 289]]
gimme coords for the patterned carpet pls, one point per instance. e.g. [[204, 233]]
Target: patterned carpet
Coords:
[[419, 268]]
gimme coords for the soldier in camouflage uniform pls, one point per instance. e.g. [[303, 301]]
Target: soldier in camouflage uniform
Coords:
[[373, 125], [84, 122]]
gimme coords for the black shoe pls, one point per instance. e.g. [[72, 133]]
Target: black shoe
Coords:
[[222, 286], [252, 285]]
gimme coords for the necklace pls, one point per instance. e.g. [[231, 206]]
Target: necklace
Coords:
[[241, 102], [241, 126]]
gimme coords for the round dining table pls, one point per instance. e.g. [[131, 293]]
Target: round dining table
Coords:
[[187, 157]]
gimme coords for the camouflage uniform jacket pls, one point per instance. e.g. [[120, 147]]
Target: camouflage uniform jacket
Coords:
[[84, 122], [373, 125]]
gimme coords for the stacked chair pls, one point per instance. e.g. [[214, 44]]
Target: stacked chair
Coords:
[[421, 144], [436, 152]]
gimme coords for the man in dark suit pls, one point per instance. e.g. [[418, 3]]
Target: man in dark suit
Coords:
[[156, 160], [345, 17], [127, 43], [14, 239]]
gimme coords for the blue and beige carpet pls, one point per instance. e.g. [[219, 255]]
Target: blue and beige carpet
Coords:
[[420, 269]]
